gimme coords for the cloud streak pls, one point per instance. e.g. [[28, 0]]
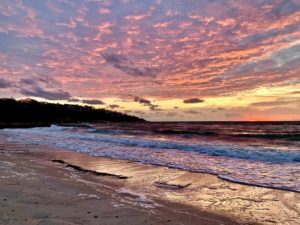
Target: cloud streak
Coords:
[[46, 94], [146, 102], [5, 83], [93, 101], [193, 100]]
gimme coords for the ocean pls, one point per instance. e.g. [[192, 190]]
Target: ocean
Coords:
[[265, 154]]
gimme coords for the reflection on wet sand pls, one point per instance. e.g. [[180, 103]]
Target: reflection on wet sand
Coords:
[[199, 190], [35, 190]]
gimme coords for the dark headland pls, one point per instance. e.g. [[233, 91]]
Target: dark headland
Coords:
[[31, 113]]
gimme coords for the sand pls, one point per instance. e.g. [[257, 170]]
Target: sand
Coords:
[[40, 185]]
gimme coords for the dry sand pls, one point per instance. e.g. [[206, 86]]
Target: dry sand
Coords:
[[36, 190]]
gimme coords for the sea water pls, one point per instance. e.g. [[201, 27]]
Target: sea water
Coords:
[[261, 154]]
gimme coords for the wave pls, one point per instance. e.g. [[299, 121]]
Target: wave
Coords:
[[212, 149], [238, 181], [226, 133], [253, 165], [186, 132], [285, 136], [233, 132], [51, 128]]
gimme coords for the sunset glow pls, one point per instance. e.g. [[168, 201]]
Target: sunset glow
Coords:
[[160, 60]]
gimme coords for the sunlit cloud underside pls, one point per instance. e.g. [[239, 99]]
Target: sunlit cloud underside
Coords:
[[160, 60]]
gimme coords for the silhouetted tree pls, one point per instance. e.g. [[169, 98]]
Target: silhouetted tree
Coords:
[[29, 111]]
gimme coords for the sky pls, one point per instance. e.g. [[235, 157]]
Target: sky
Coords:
[[162, 60]]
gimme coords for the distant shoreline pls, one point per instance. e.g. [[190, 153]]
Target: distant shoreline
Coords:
[[80, 123], [77, 124]]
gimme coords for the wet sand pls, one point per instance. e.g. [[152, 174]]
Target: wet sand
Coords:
[[40, 185]]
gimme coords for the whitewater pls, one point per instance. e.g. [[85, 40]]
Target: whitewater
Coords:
[[266, 155]]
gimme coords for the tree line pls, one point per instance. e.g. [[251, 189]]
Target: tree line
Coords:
[[29, 111]]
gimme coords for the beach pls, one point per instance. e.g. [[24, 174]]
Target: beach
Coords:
[[162, 112], [43, 185]]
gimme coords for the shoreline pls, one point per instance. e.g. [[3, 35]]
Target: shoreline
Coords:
[[33, 181], [221, 177], [156, 188]]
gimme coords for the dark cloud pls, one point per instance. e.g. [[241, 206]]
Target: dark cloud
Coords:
[[50, 82], [135, 71], [42, 81], [114, 106], [92, 102], [112, 58], [5, 83], [278, 66], [28, 81], [46, 94], [142, 100], [148, 103], [74, 100], [193, 100], [122, 63], [87, 101], [176, 107], [154, 107]]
